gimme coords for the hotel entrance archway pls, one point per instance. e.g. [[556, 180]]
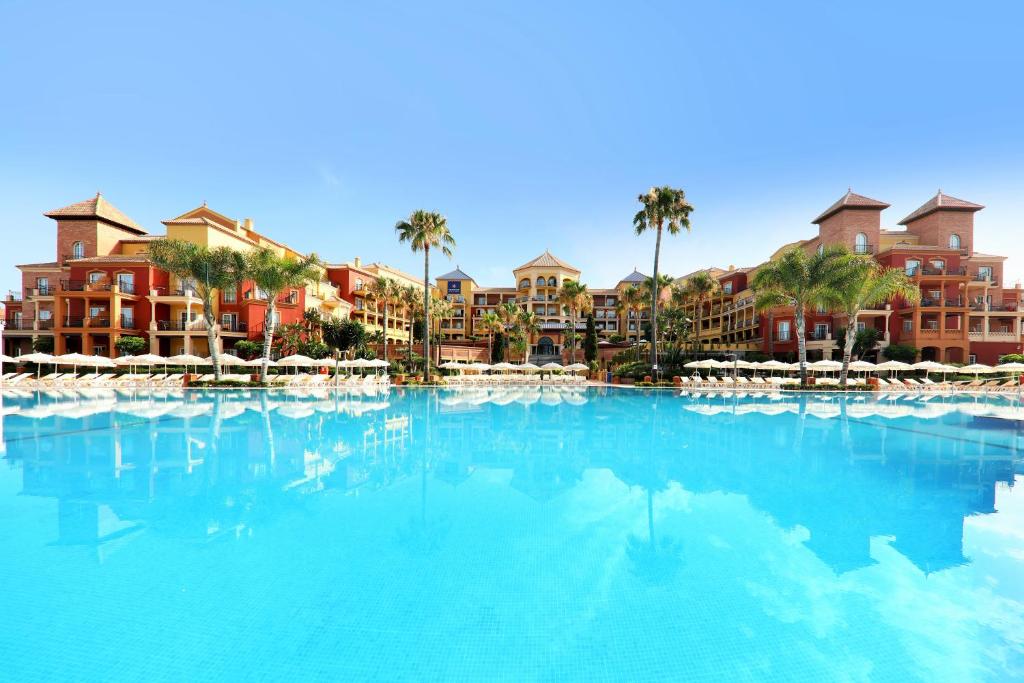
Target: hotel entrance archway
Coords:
[[545, 346]]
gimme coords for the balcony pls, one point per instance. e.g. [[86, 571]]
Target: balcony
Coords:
[[13, 298], [20, 323], [864, 249], [181, 326]]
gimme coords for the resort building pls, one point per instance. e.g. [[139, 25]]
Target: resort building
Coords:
[[536, 289], [967, 312], [355, 284], [102, 286]]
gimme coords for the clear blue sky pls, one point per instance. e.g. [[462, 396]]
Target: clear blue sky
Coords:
[[530, 125]]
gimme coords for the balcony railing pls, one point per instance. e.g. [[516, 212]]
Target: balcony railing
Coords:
[[180, 326], [19, 323], [74, 322], [864, 249], [84, 286]]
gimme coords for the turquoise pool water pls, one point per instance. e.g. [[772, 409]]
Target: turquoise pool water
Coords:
[[510, 535]]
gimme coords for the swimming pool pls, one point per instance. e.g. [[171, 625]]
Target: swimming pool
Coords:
[[515, 534]]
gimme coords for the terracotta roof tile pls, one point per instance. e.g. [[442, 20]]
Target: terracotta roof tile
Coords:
[[548, 260], [49, 264], [100, 208], [112, 258], [851, 200], [941, 202]]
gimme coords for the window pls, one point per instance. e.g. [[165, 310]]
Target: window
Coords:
[[95, 277], [95, 311], [541, 282], [230, 295], [126, 282], [912, 266], [552, 282], [908, 325], [783, 330], [77, 250], [860, 243], [861, 326], [524, 284], [127, 317], [972, 359], [43, 285], [984, 272], [227, 321], [954, 241], [276, 320], [938, 264], [820, 330], [44, 314], [727, 288], [260, 294]]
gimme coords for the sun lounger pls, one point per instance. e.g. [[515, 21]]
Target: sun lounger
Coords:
[[17, 379]]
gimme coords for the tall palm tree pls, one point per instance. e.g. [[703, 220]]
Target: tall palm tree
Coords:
[[869, 284], [273, 274], [426, 230], [662, 208], [699, 289], [444, 310], [383, 290], [632, 301], [490, 324], [803, 281], [574, 298], [211, 270], [527, 325]]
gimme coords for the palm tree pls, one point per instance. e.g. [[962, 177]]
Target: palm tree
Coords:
[[631, 301], [410, 300], [803, 281], [869, 284], [424, 230], [273, 274], [384, 291], [211, 270], [574, 298], [526, 326], [663, 208], [700, 288], [444, 310], [650, 291], [490, 324]]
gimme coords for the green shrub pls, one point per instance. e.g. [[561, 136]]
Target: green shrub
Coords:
[[901, 352], [130, 346]]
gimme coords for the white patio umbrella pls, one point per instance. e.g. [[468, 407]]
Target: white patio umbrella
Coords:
[[480, 367], [78, 359], [125, 360], [37, 358], [862, 366], [258, 362], [297, 360], [929, 366], [577, 367], [552, 366], [7, 359], [772, 365], [187, 359], [503, 366], [977, 369], [893, 366], [527, 367], [1010, 367], [453, 365], [825, 366], [229, 360]]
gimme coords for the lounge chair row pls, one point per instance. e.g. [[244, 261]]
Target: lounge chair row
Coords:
[[517, 380]]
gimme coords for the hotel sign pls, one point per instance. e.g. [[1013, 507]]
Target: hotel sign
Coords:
[[455, 286]]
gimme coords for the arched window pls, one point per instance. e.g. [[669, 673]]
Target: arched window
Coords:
[[541, 281], [860, 243], [552, 282], [954, 241], [359, 285], [77, 250], [912, 266], [524, 283]]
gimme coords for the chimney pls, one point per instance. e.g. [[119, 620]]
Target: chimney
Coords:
[[249, 225], [357, 262]]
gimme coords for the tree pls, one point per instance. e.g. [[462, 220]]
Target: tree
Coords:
[[500, 344], [631, 302], [247, 350], [662, 208], [313, 320], [574, 298], [42, 344], [425, 230], [803, 281], [209, 271], [528, 325], [384, 291], [409, 298], [490, 324], [869, 284], [590, 342], [864, 341], [130, 346], [341, 336], [444, 310], [905, 353], [273, 274], [700, 288]]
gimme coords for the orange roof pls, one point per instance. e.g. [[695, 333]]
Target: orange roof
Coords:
[[941, 202], [851, 200], [99, 208]]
